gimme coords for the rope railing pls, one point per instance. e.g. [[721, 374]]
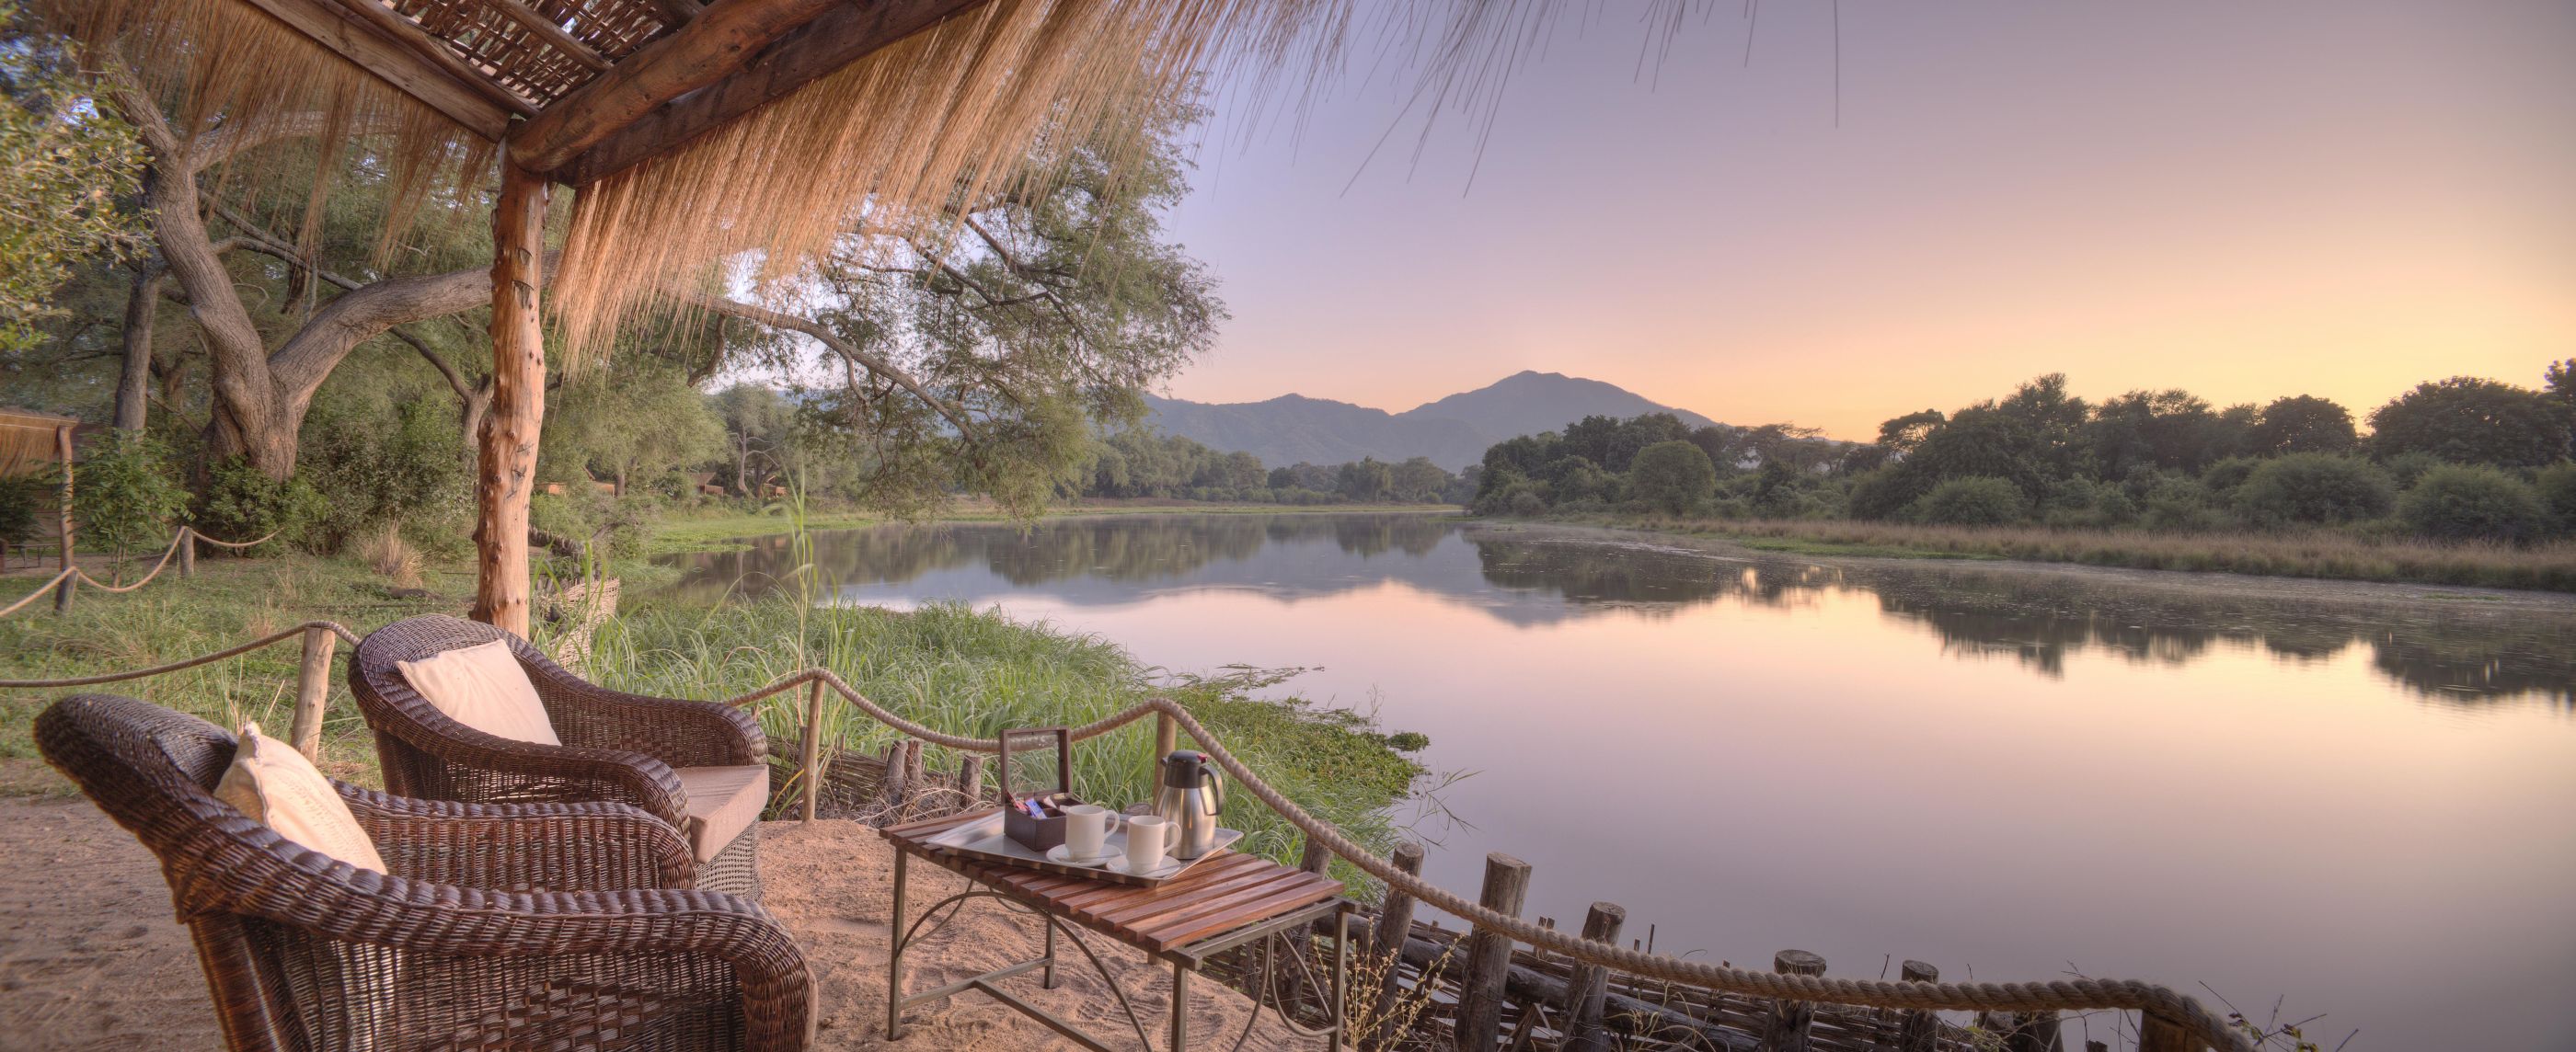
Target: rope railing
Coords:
[[178, 547], [2161, 1005]]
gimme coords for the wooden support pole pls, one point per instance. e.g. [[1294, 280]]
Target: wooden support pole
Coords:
[[810, 751], [508, 452], [1590, 983], [1786, 1030], [1918, 1030], [63, 455], [187, 552], [1489, 956], [312, 691], [1386, 941], [1167, 738], [2159, 1034], [970, 779]]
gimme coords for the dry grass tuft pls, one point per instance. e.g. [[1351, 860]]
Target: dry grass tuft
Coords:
[[389, 554]]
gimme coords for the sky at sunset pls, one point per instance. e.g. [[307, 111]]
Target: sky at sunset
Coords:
[[2245, 200]]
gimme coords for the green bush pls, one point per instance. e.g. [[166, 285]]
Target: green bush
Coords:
[[1672, 476], [22, 500], [127, 496], [2557, 489], [371, 471], [1977, 500], [2457, 502], [2230, 473], [2405, 468], [2315, 489], [1880, 495], [241, 503]]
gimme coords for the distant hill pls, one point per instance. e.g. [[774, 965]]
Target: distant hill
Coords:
[[1452, 431]]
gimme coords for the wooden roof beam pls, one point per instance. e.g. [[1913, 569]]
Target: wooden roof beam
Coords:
[[839, 37], [434, 85], [707, 49], [410, 35], [546, 29], [680, 10]]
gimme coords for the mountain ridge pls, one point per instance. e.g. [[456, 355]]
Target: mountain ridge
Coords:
[[1453, 431]]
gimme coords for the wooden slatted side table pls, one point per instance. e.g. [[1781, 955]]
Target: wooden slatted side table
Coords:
[[1220, 904]]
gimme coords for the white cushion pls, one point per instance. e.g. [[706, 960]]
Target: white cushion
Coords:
[[483, 687], [725, 801], [277, 787]]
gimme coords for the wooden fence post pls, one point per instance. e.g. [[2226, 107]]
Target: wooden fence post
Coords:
[[187, 552], [810, 751], [1489, 955], [312, 691], [1167, 737], [1786, 1029], [970, 779], [63, 453], [1918, 1030], [2159, 1034], [1394, 925], [1589, 985]]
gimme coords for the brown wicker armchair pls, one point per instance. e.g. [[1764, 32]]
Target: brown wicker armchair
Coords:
[[523, 926], [652, 753]]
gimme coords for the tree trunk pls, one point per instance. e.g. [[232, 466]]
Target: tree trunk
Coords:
[[509, 440], [134, 386]]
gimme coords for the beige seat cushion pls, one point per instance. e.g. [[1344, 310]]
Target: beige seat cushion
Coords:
[[724, 801], [483, 687], [277, 787]]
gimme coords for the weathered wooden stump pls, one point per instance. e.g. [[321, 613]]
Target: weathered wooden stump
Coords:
[[1489, 955], [1787, 1028]]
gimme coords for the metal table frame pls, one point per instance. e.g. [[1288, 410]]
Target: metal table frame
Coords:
[[1183, 961]]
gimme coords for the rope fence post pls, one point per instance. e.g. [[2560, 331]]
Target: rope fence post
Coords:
[[71, 581], [1167, 737], [1918, 1030], [1489, 955], [1394, 925], [809, 755], [1786, 1030], [312, 690], [2159, 1034], [1589, 986], [187, 552]]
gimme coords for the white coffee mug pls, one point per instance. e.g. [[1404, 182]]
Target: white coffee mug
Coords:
[[1086, 831], [1149, 842]]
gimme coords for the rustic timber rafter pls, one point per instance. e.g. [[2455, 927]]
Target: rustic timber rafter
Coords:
[[707, 49], [344, 33], [835, 39]]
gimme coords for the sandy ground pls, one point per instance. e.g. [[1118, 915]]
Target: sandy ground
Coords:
[[90, 957]]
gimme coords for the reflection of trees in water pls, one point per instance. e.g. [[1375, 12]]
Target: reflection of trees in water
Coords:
[[2435, 649], [1652, 580], [2448, 650], [1126, 549]]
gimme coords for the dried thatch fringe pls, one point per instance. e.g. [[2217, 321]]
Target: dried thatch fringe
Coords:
[[227, 65]]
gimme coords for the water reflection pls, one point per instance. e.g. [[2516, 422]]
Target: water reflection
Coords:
[[2448, 646]]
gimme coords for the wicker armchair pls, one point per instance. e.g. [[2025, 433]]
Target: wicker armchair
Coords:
[[617, 747], [523, 926]]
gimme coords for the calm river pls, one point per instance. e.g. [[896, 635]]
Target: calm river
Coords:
[[2352, 798]]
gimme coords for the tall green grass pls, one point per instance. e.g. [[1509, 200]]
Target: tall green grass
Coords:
[[978, 673]]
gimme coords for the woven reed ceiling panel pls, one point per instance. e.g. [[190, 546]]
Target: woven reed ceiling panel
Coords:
[[489, 36]]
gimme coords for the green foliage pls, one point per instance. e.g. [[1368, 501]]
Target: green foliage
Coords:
[[2556, 487], [371, 471], [241, 503], [127, 496], [1366, 479], [1971, 501], [1672, 476], [2466, 420], [2315, 489], [22, 499], [2302, 424], [67, 166], [2472, 502], [632, 419]]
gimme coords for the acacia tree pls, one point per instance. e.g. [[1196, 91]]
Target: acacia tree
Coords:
[[978, 351], [64, 166]]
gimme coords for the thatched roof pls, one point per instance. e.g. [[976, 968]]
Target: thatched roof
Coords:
[[697, 132]]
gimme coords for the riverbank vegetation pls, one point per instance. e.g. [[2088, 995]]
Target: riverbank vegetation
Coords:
[[2460, 481]]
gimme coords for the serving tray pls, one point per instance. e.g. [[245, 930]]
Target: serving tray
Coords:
[[983, 838]]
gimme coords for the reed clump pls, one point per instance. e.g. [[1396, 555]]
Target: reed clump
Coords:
[[977, 673]]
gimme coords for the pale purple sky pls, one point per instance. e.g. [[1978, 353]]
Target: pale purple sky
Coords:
[[2244, 199]]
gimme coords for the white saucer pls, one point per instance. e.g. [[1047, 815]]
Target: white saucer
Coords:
[[1062, 854], [1169, 866]]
